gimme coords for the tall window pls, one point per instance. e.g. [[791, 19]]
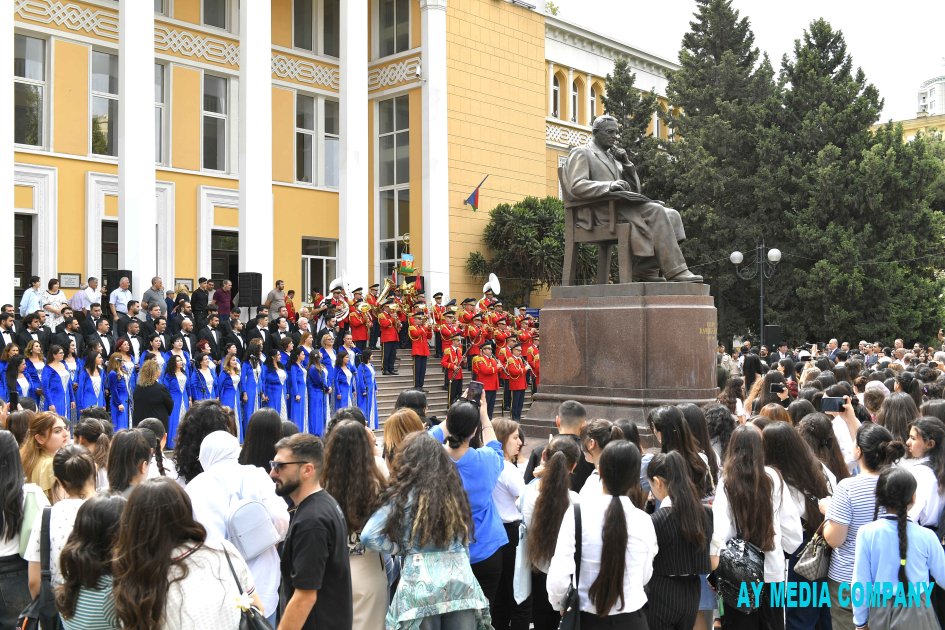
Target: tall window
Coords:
[[332, 143], [29, 88], [574, 101], [109, 246], [214, 13], [555, 97], [304, 138], [160, 6], [158, 113], [394, 27], [104, 103], [316, 16], [225, 256], [319, 265], [214, 122], [593, 112], [393, 179]]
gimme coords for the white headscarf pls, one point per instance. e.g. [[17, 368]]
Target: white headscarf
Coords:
[[219, 447]]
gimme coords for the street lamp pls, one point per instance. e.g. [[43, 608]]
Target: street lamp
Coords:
[[762, 267]]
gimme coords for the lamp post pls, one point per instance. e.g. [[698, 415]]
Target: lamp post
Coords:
[[762, 267]]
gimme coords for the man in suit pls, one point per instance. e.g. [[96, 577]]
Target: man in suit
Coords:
[[121, 324], [90, 325], [103, 336], [154, 313], [261, 331], [71, 332], [199, 300], [600, 171], [783, 352], [227, 323], [281, 331], [7, 333], [235, 336], [33, 329], [160, 329], [211, 332], [185, 310]]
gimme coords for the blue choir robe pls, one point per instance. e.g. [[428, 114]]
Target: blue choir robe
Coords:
[[85, 395], [298, 409], [367, 393], [188, 366], [23, 391], [4, 394], [55, 394], [251, 386], [180, 396], [36, 383], [159, 357], [319, 400], [345, 389], [306, 352], [328, 360], [119, 393], [198, 386], [274, 389], [355, 359], [229, 394], [284, 359]]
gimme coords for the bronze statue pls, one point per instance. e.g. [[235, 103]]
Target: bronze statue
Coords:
[[600, 171]]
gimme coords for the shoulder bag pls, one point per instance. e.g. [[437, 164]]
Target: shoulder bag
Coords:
[[250, 617], [739, 562], [522, 577], [42, 612], [814, 560], [571, 617]]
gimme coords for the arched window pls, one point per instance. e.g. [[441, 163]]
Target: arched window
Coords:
[[593, 112], [555, 97], [574, 101]]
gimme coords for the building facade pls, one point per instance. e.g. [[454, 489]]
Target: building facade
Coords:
[[300, 139]]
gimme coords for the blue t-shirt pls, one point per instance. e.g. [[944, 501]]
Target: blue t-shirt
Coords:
[[479, 469]]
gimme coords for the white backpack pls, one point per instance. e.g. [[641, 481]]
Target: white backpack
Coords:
[[249, 527]]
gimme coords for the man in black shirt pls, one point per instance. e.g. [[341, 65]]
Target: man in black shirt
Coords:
[[570, 420], [316, 577]]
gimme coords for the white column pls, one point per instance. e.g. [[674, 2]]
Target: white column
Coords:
[[435, 162], [6, 162], [551, 89], [137, 205], [354, 241], [255, 142]]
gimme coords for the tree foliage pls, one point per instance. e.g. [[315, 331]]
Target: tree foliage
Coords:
[[526, 242], [633, 109]]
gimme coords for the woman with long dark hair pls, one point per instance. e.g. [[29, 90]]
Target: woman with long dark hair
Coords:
[[683, 530], [251, 385], [909, 383], [733, 397], [351, 475], [201, 420], [507, 496], [926, 445], [807, 484], [129, 458], [228, 391], [35, 365], [752, 369], [58, 396], [816, 430], [751, 504], [175, 380], [773, 390], [273, 383], [595, 435], [720, 423], [897, 413], [895, 550], [425, 514], [672, 432], [14, 581], [92, 434], [318, 385], [547, 498], [202, 382], [18, 384], [296, 387], [618, 544], [852, 506], [699, 428], [156, 434], [90, 383], [262, 433], [166, 577], [85, 598], [118, 385], [345, 384]]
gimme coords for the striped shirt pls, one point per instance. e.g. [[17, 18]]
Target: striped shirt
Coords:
[[94, 608], [852, 505]]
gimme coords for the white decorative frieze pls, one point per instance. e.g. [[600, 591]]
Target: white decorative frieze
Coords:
[[305, 71], [196, 46], [567, 136], [73, 17], [399, 72]]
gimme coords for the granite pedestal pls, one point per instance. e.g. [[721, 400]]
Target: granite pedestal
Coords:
[[624, 349]]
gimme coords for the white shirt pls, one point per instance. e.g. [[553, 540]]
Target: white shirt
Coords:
[[641, 549], [592, 487], [93, 295], [928, 500], [57, 300], [507, 490], [120, 298], [788, 532], [61, 521], [844, 440]]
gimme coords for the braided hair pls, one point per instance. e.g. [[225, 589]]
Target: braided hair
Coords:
[[894, 491]]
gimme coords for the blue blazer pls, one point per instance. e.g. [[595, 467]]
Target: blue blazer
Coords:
[[85, 395], [54, 394]]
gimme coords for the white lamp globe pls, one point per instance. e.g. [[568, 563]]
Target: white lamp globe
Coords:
[[736, 257], [774, 255]]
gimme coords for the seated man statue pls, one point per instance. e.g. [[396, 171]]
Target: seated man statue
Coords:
[[599, 170]]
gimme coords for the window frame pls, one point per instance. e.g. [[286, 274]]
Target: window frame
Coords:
[[44, 91], [93, 94], [592, 95], [575, 101], [396, 187], [319, 136], [163, 107], [312, 133], [555, 97], [376, 30], [230, 18], [317, 29], [226, 122], [306, 268], [112, 221]]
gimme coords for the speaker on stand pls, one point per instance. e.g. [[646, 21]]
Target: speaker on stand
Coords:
[[250, 290]]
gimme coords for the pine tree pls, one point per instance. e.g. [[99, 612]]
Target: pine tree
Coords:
[[632, 108]]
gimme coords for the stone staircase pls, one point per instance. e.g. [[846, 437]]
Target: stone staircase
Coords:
[[389, 387]]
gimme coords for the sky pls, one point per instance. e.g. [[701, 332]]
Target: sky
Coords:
[[898, 45]]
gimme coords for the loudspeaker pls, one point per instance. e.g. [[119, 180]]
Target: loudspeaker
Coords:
[[250, 289], [773, 336], [114, 276]]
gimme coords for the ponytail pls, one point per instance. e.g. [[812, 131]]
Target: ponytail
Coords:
[[687, 507], [561, 455], [894, 491]]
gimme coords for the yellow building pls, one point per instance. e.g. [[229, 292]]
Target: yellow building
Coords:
[[295, 138]]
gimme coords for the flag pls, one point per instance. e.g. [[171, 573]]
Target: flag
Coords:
[[473, 199]]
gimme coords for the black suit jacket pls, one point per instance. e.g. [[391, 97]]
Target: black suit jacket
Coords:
[[240, 344], [88, 326], [141, 345], [107, 348], [42, 334], [216, 345], [254, 333], [63, 340], [190, 343], [14, 338]]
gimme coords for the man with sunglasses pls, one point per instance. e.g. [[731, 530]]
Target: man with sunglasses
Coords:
[[316, 576]]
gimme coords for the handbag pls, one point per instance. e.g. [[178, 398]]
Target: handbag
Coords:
[[522, 576], [250, 617], [571, 617], [814, 559], [42, 612], [739, 562]]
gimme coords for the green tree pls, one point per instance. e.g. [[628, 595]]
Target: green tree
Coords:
[[723, 99], [526, 243], [633, 109]]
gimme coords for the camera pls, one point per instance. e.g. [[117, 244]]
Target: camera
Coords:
[[828, 404]]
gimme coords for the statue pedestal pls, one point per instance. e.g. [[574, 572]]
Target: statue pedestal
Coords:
[[624, 349]]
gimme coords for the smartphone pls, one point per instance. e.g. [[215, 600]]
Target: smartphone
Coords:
[[776, 388], [475, 392], [828, 404]]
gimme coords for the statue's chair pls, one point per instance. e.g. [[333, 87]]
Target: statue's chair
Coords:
[[605, 236]]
